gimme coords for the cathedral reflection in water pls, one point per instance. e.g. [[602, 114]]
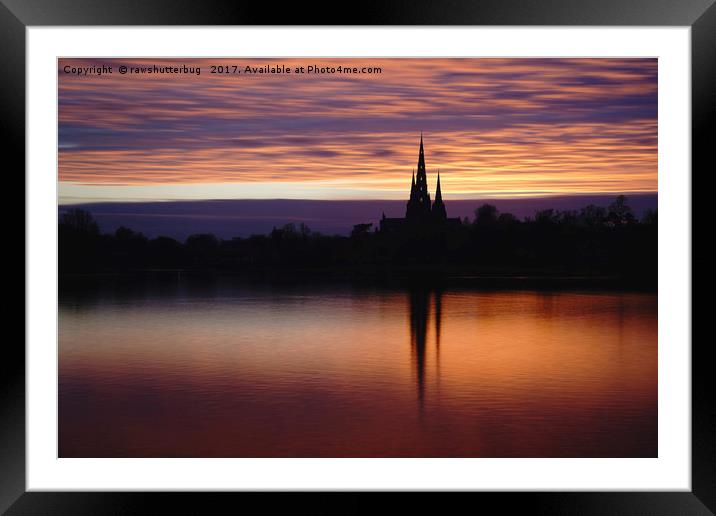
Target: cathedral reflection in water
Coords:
[[420, 313]]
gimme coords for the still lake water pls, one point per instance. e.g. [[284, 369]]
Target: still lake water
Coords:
[[226, 369]]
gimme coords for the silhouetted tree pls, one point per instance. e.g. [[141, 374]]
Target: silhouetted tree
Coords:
[[361, 230], [486, 215], [650, 217], [304, 230], [547, 217], [568, 217], [79, 248], [126, 234], [593, 216], [507, 219], [619, 213], [79, 221], [290, 231], [165, 252]]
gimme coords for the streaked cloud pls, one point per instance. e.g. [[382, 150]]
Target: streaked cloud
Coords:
[[500, 127]]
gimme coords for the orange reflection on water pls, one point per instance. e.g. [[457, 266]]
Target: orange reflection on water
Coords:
[[255, 371]]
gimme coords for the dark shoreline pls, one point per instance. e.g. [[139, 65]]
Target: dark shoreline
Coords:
[[428, 277]]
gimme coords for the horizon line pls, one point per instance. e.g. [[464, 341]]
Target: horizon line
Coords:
[[76, 201]]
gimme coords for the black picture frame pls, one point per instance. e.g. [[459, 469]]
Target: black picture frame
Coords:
[[17, 15]]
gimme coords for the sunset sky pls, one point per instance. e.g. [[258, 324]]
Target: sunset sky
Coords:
[[494, 128]]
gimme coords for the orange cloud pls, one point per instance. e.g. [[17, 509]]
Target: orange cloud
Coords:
[[492, 126]]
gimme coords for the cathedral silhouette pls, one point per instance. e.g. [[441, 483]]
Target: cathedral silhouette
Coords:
[[420, 213]]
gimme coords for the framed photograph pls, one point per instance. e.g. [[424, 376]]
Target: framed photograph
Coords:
[[438, 249]]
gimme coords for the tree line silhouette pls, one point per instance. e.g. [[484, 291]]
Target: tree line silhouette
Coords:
[[593, 240]]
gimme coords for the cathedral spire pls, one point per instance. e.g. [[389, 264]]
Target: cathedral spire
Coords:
[[421, 180], [438, 194], [421, 157], [419, 204], [439, 212]]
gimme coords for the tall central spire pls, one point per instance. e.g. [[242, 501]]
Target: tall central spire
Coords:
[[421, 157], [421, 179], [419, 204], [438, 193]]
